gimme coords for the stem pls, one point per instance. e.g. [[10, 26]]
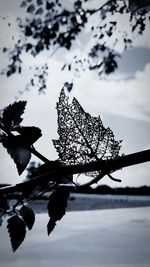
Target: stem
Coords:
[[112, 178], [38, 154]]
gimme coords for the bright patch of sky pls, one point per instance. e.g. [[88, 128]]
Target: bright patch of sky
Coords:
[[122, 100]]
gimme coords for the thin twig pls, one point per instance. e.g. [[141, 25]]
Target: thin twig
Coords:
[[114, 179]]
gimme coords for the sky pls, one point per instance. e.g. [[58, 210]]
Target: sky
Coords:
[[122, 100]]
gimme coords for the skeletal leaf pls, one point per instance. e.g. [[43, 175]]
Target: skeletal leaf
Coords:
[[82, 137]]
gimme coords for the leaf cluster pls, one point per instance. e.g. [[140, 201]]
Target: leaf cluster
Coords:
[[82, 139], [17, 225], [24, 218], [19, 145], [50, 25]]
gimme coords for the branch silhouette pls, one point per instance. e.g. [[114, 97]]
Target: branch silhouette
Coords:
[[84, 146], [105, 166]]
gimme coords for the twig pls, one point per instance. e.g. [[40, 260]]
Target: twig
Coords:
[[112, 178]]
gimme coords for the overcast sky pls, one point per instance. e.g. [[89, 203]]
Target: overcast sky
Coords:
[[123, 100]]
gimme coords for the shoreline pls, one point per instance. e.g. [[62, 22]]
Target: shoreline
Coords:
[[81, 202]]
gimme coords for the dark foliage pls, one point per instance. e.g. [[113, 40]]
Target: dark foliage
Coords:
[[51, 25], [28, 216], [17, 231], [30, 134], [18, 146]]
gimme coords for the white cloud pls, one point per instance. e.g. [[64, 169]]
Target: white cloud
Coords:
[[128, 98], [144, 39]]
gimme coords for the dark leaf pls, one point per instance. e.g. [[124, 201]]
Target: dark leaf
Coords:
[[11, 69], [77, 4], [39, 11], [50, 226], [39, 2], [28, 31], [3, 202], [12, 114], [56, 27], [28, 216], [68, 86], [30, 8], [5, 49], [122, 10], [19, 69], [64, 66], [28, 47], [23, 4], [84, 18], [18, 151], [30, 134], [57, 207], [17, 231], [49, 5]]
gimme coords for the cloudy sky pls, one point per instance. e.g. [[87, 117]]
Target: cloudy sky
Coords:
[[122, 100]]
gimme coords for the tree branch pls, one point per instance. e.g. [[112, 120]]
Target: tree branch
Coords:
[[104, 166]]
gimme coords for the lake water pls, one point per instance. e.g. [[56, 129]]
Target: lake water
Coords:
[[99, 238]]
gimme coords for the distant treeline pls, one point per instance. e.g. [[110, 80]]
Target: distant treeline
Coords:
[[105, 189]]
